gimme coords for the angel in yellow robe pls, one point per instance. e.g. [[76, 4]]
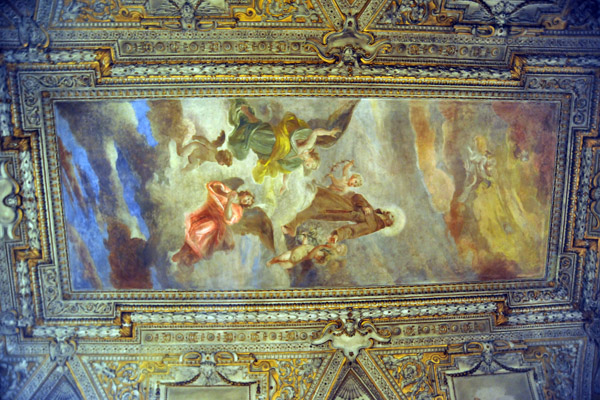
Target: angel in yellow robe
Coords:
[[281, 148]]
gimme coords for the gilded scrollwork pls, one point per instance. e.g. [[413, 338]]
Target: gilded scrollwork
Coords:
[[33, 84], [349, 46], [413, 12], [268, 375], [98, 11], [580, 87], [558, 364], [414, 374], [57, 306], [293, 378], [123, 380], [297, 11], [561, 290]]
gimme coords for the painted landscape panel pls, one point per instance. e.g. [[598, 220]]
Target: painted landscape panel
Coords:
[[265, 193]]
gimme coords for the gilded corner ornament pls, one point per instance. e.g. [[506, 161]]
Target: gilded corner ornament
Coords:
[[349, 46]]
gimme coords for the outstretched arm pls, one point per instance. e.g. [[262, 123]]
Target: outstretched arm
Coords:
[[346, 170], [231, 198], [309, 143], [313, 253]]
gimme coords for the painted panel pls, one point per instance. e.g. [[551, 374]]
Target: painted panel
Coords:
[[508, 386], [208, 393], [267, 193]]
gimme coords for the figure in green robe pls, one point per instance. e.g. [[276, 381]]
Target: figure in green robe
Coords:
[[280, 148]]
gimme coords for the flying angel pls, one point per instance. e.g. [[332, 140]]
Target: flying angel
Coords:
[[286, 145]]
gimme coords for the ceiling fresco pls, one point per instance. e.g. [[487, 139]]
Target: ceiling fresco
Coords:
[[146, 198], [303, 199]]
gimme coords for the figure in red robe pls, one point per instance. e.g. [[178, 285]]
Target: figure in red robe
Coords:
[[206, 229]]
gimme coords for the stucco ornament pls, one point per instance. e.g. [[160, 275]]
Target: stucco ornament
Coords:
[[350, 335], [9, 213], [62, 351], [11, 376], [348, 46], [209, 373], [8, 323]]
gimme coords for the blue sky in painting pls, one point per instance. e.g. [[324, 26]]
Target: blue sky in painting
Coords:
[[79, 154], [74, 261], [130, 187], [84, 221], [141, 108]]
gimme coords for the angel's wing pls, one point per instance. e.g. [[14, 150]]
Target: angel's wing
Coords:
[[256, 222], [339, 119], [218, 142], [233, 183]]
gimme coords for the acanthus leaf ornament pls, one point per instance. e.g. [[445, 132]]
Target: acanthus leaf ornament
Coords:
[[558, 364], [349, 45], [351, 335], [407, 12], [412, 374], [98, 11], [26, 315], [583, 194], [590, 299], [294, 11], [12, 376], [584, 14], [5, 101], [31, 35], [120, 380]]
